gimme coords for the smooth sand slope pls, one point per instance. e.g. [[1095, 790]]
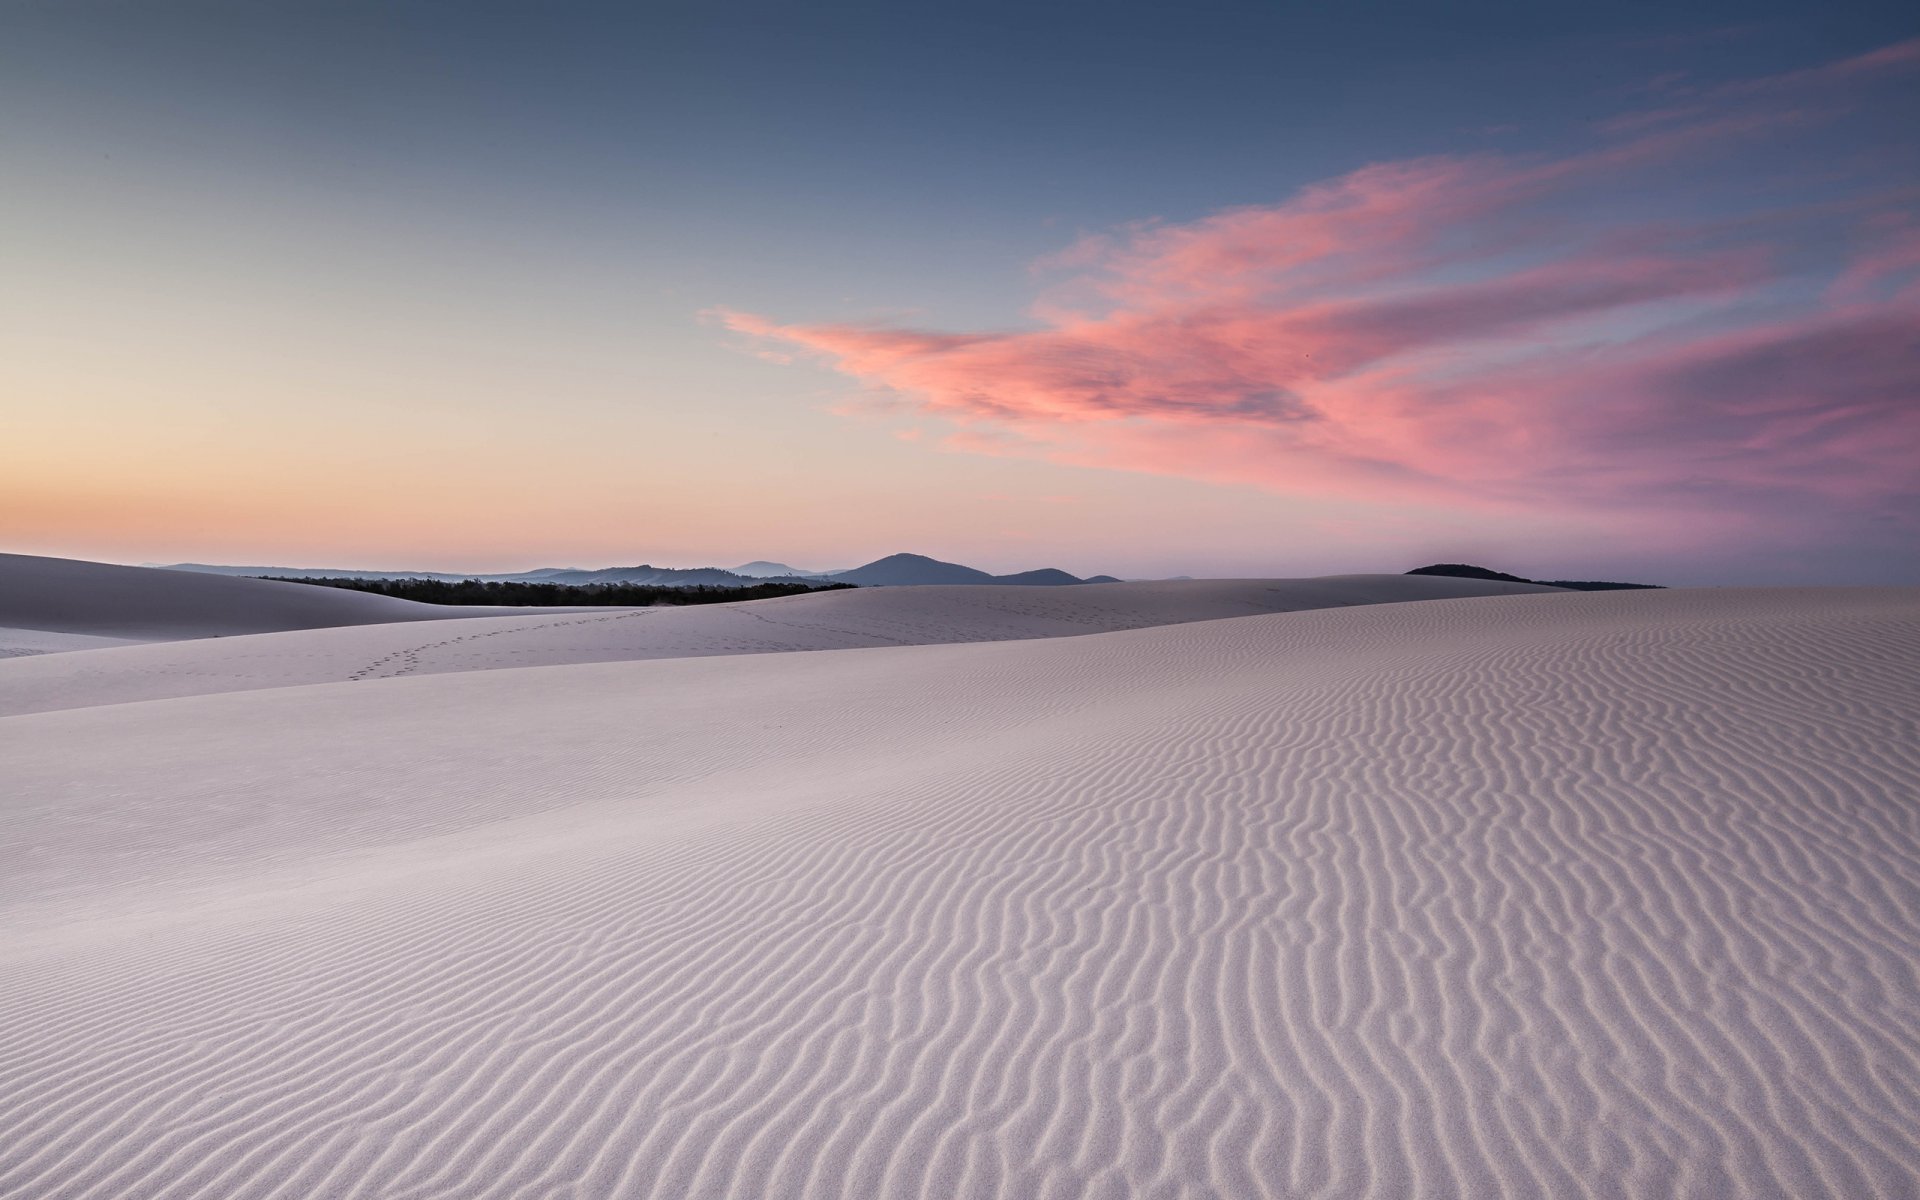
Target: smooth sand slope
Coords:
[[821, 621], [90, 600], [20, 643], [1572, 895]]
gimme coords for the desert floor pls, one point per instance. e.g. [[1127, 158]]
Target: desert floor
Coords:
[[1373, 886]]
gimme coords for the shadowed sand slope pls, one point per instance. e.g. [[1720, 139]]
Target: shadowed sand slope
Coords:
[[822, 621], [1599, 895], [68, 596]]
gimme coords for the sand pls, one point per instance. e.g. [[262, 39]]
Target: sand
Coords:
[[20, 643], [149, 604], [1608, 895], [552, 637]]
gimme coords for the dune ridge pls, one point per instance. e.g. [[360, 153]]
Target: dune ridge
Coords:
[[821, 621], [20, 643], [151, 604], [1581, 895]]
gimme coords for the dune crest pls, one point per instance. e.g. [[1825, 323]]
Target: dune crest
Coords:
[[151, 604], [554, 637]]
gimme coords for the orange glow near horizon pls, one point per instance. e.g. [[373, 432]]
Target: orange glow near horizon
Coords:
[[1489, 354]]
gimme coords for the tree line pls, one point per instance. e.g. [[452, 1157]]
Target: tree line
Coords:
[[514, 592], [1467, 571]]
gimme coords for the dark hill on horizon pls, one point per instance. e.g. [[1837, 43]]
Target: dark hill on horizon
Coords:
[[913, 570], [1044, 577], [903, 570], [760, 568], [1467, 571]]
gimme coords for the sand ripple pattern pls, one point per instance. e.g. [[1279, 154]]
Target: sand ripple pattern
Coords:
[[1585, 896]]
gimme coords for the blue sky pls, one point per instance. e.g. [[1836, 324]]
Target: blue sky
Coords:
[[347, 258]]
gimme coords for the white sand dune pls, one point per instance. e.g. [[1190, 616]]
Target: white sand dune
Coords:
[[148, 604], [1582, 895], [19, 643], [820, 621]]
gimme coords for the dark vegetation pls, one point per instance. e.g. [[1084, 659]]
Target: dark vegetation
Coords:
[[618, 595], [1463, 571]]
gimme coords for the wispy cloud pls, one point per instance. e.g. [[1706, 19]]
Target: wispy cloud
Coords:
[[1463, 330]]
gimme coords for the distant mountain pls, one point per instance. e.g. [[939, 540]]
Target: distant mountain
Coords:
[[903, 570], [762, 569], [1464, 571], [911, 570], [1044, 577]]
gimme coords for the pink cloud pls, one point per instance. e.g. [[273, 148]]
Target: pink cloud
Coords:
[[1441, 330], [1887, 269], [1900, 56]]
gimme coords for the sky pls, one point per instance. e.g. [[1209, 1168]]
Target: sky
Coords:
[[1596, 291]]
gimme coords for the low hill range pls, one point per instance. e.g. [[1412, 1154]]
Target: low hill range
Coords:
[[760, 568], [895, 570], [904, 570], [1466, 571], [644, 574]]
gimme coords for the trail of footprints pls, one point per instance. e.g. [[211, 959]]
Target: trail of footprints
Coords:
[[407, 661], [411, 659]]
